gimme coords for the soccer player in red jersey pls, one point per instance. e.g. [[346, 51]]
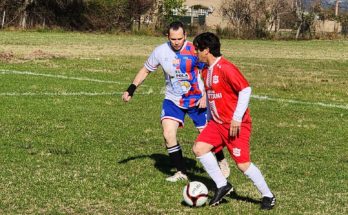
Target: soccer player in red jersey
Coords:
[[228, 94]]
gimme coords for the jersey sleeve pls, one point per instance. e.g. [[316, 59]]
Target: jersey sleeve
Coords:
[[235, 78], [152, 62]]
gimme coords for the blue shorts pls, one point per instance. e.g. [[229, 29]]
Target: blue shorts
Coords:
[[171, 111]]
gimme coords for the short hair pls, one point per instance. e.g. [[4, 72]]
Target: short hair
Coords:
[[208, 40], [175, 26]]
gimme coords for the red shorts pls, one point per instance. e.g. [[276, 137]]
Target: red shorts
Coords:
[[218, 135]]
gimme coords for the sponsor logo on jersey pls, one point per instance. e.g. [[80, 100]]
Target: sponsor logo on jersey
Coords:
[[213, 95], [181, 76], [236, 152]]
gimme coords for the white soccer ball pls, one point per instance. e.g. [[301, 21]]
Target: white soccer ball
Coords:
[[195, 194]]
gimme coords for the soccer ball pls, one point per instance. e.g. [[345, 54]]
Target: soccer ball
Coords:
[[195, 194]]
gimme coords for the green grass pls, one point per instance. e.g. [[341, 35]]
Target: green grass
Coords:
[[64, 151]]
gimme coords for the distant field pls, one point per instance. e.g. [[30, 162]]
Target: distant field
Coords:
[[69, 145]]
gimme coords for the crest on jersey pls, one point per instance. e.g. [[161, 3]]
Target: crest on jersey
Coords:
[[215, 79], [176, 62], [236, 152]]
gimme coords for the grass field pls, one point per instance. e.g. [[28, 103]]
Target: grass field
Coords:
[[69, 145]]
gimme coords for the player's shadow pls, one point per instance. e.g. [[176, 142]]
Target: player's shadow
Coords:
[[237, 197], [163, 164]]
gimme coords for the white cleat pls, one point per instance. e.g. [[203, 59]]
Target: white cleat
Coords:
[[225, 168], [178, 176]]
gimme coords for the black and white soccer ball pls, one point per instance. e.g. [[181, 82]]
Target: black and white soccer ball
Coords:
[[195, 194]]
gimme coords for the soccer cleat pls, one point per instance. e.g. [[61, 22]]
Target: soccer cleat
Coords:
[[178, 176], [220, 193], [225, 168], [268, 203]]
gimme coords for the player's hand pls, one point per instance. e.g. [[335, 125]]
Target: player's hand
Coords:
[[202, 103], [235, 128], [126, 97]]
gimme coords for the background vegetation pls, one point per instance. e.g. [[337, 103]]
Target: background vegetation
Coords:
[[248, 19]]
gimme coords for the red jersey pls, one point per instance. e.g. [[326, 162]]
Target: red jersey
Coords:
[[223, 81]]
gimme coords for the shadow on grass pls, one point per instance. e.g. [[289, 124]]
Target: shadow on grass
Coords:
[[162, 163], [237, 197]]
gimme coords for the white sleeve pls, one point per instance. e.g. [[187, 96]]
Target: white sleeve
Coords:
[[242, 104], [152, 62], [200, 82], [209, 116]]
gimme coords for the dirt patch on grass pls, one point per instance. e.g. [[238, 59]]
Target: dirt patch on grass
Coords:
[[38, 54], [6, 56], [11, 57]]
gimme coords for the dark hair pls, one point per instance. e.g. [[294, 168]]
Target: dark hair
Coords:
[[175, 26], [208, 40]]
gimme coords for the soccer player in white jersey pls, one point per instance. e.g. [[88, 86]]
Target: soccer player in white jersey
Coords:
[[228, 95], [184, 93]]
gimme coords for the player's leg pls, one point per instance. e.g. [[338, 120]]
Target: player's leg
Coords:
[[223, 164], [199, 118], [241, 154], [205, 143], [172, 117], [255, 175]]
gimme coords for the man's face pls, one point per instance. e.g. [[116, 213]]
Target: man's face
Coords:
[[202, 55], [177, 38]]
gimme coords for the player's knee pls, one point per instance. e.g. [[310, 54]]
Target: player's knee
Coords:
[[243, 166], [197, 150]]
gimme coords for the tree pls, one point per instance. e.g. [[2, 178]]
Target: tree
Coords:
[[276, 9], [247, 17], [140, 7], [169, 6], [305, 19]]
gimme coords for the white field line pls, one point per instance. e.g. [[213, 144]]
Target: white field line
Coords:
[[66, 94], [257, 97], [4, 72], [150, 91], [345, 107], [60, 94]]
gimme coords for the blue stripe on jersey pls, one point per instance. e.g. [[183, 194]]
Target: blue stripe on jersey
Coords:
[[195, 93]]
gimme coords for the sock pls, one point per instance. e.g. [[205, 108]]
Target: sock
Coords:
[[259, 181], [219, 155], [176, 158], [210, 164]]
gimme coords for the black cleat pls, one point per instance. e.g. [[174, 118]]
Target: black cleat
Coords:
[[220, 193], [268, 203]]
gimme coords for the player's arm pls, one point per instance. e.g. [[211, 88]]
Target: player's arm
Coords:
[[242, 105], [138, 80], [202, 102]]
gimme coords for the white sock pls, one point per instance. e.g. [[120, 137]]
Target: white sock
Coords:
[[210, 164], [259, 181]]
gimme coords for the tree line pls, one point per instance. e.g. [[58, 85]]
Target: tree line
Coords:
[[259, 18], [85, 15], [247, 18]]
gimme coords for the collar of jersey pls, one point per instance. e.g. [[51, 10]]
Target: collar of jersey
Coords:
[[183, 46], [215, 62]]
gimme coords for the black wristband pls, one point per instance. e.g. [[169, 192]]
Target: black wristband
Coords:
[[131, 89]]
